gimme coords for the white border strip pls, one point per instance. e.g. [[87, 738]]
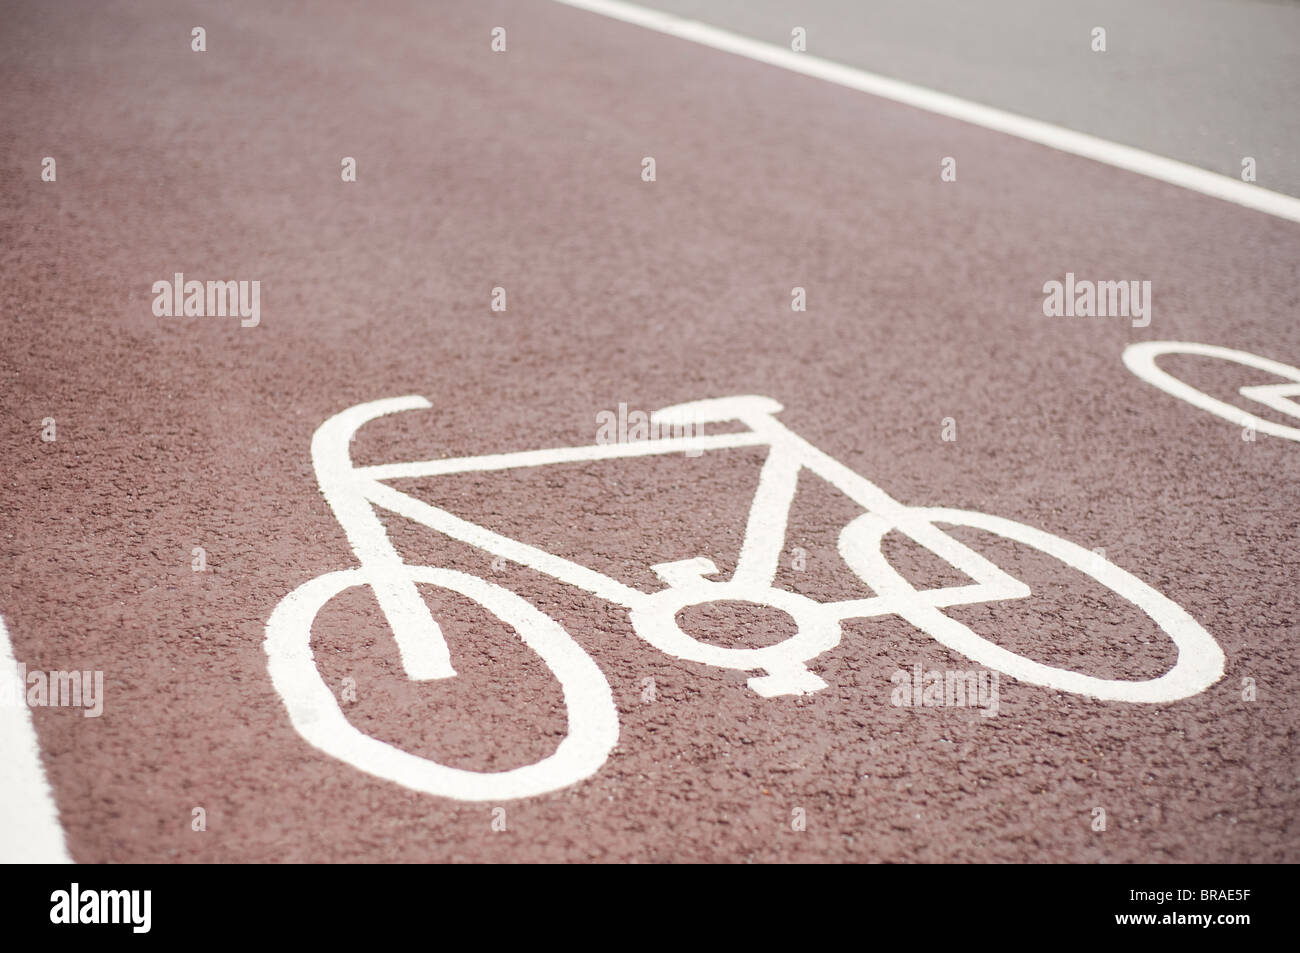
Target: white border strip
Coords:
[[1054, 137], [30, 832]]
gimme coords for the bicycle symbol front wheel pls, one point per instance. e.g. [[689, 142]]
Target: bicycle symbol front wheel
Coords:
[[1200, 660], [317, 716]]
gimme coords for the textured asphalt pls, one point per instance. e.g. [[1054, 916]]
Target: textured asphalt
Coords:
[[522, 170]]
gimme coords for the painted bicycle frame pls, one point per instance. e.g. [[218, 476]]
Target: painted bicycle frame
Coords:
[[354, 493]]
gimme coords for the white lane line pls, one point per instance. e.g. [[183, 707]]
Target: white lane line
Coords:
[[1022, 127], [30, 832]]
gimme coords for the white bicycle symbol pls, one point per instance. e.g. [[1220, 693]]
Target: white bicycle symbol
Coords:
[[1141, 360], [779, 669]]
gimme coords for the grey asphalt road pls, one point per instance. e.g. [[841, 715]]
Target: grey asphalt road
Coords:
[[1208, 82]]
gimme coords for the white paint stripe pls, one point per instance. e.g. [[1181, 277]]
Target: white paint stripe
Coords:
[[769, 514], [30, 832], [533, 458], [1022, 127]]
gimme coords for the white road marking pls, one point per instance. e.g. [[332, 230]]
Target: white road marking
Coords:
[[533, 458], [353, 493], [1200, 660], [1033, 130], [30, 832], [1141, 360], [315, 713], [1277, 396]]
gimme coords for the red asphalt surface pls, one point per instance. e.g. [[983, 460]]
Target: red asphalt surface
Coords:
[[523, 170]]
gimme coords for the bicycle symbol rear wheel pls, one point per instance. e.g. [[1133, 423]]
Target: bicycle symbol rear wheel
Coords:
[[316, 714]]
